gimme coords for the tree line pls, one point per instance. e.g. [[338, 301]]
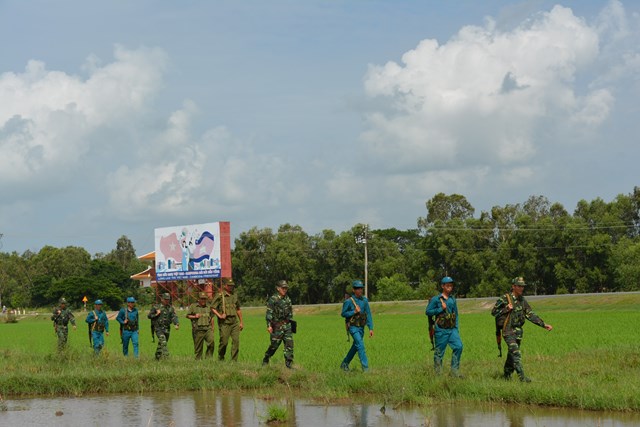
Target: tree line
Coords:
[[594, 249]]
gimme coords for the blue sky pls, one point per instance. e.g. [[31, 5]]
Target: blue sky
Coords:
[[121, 117]]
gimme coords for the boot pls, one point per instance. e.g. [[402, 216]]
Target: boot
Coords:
[[265, 361], [288, 364]]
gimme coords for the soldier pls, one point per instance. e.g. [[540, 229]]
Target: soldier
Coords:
[[358, 314], [512, 309], [279, 317], [61, 317], [129, 326], [226, 307], [445, 310], [98, 325], [162, 317], [202, 326]]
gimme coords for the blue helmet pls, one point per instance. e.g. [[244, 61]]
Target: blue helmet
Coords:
[[445, 280], [357, 284], [131, 299], [98, 302]]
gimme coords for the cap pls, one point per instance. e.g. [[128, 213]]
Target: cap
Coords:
[[357, 284], [131, 299], [98, 302], [166, 296], [202, 295], [446, 280], [62, 301], [518, 281], [283, 284]]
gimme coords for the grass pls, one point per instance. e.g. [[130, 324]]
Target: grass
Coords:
[[590, 360]]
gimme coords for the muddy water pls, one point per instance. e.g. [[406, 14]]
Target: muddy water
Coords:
[[209, 408]]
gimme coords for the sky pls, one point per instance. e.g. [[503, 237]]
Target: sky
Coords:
[[120, 117]]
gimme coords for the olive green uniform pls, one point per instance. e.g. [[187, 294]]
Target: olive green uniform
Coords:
[[162, 325], [61, 318], [228, 303], [201, 329]]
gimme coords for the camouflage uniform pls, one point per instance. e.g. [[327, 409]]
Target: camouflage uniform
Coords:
[[201, 328], [279, 314], [230, 326], [61, 318], [512, 331], [162, 325]]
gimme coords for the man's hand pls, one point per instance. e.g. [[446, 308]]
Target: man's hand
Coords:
[[371, 334], [357, 308], [74, 327], [177, 326], [270, 329], [241, 326], [510, 306], [548, 327], [444, 305]]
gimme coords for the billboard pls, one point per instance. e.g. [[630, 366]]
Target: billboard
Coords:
[[186, 252]]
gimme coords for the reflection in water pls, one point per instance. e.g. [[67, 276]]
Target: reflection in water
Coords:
[[211, 408]]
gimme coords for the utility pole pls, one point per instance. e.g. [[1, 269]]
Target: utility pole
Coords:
[[366, 263]]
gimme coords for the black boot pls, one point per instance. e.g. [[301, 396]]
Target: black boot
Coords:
[[265, 361], [288, 364]]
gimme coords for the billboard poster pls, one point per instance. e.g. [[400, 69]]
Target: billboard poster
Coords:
[[186, 252]]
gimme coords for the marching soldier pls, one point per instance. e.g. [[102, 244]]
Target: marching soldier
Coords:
[[226, 307], [61, 317], [201, 318], [279, 324], [356, 311], [99, 325], [444, 309], [162, 317], [512, 310], [129, 326]]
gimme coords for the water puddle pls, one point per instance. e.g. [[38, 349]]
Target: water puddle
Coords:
[[211, 408]]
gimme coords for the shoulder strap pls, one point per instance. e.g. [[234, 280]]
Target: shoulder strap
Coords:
[[506, 319]]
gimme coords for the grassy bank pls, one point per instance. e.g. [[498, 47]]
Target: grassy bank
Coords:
[[590, 360]]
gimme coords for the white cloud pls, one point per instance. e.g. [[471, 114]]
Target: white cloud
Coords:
[[480, 99], [48, 118], [183, 174]]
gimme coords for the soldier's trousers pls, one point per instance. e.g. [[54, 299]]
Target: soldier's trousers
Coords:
[[63, 333], [98, 341], [200, 337], [130, 336], [444, 337], [229, 328], [514, 356], [357, 333], [282, 334], [162, 351]]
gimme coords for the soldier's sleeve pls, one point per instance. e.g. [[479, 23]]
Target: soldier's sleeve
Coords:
[[106, 322], [152, 312], [215, 304], [90, 319], [530, 315], [120, 318], [269, 314], [53, 315], [72, 318], [434, 307], [367, 310], [190, 311], [176, 321], [348, 310]]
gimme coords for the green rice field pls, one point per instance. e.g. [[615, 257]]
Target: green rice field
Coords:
[[591, 359]]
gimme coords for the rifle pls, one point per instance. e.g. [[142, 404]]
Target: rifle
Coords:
[[500, 324]]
